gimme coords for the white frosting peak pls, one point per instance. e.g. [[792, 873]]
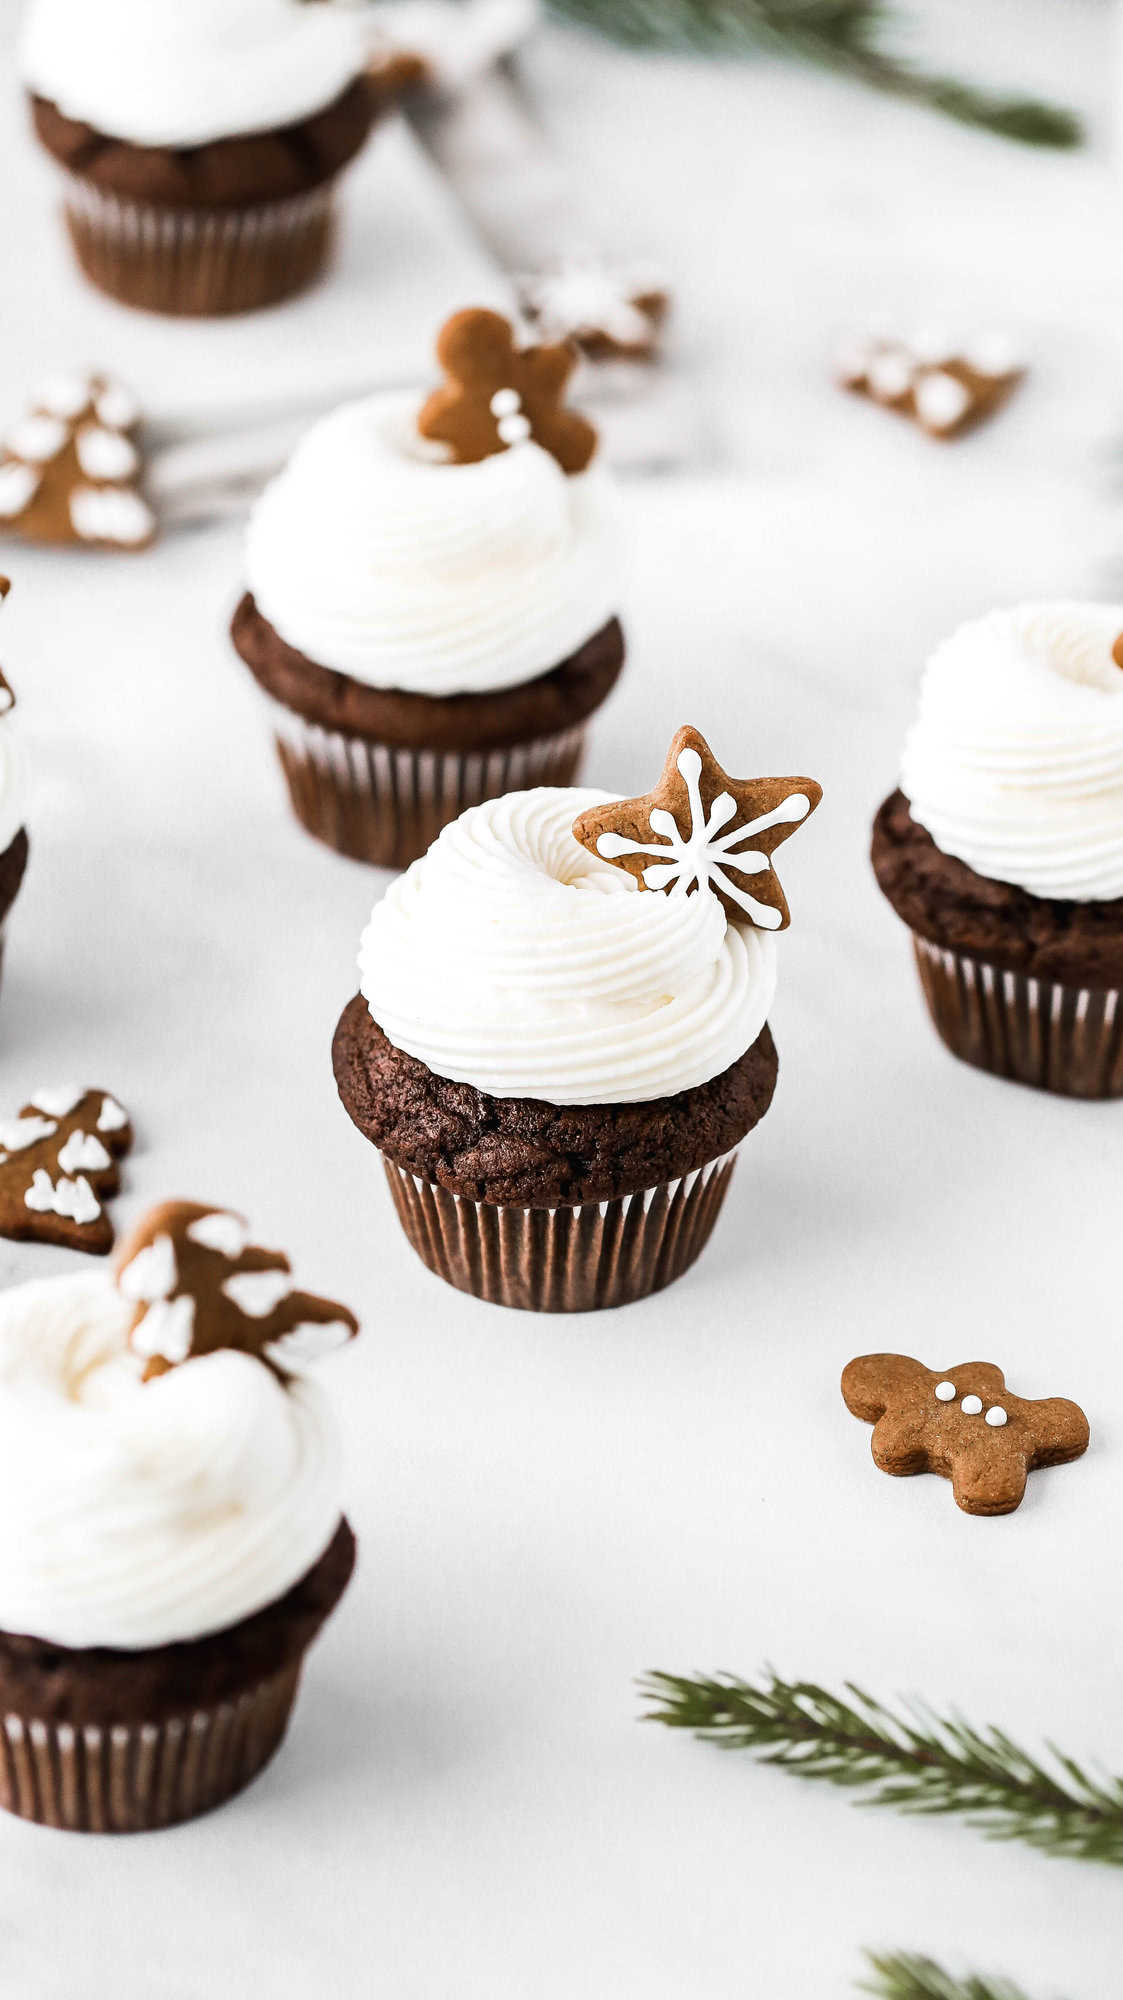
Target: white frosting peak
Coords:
[[184, 72], [134, 1514], [511, 958], [1015, 762], [373, 554]]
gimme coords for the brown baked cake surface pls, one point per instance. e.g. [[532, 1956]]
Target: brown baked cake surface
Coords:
[[225, 173], [942, 899], [13, 861], [523, 1151], [100, 1684], [552, 702]]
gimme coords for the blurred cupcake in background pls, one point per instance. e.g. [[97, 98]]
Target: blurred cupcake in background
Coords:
[[13, 801], [171, 1534], [201, 140], [432, 596], [1002, 850], [561, 1038]]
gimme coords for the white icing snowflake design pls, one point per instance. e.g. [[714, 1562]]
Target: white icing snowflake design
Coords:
[[705, 857]]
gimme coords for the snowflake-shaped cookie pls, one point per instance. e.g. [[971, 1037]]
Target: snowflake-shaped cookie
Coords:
[[673, 839]]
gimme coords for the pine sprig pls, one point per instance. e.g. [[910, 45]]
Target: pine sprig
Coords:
[[900, 1975], [843, 35], [915, 1761]]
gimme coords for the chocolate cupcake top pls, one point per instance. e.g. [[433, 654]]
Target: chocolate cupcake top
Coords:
[[163, 1471], [518, 957], [466, 560], [1015, 762], [186, 72], [13, 762]]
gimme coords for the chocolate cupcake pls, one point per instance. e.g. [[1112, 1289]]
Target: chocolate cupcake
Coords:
[[561, 1038], [1003, 848], [171, 1538], [13, 802], [431, 611], [200, 143]]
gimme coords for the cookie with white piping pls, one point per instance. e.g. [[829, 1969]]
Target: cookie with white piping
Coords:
[[59, 1164], [962, 1423], [70, 470], [946, 388]]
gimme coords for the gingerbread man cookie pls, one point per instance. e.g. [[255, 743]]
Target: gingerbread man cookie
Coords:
[[962, 1423], [499, 394], [70, 470], [672, 838], [198, 1284], [58, 1162]]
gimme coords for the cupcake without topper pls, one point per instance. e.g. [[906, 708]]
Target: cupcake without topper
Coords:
[[962, 1423], [700, 828], [70, 470], [59, 1161], [199, 1285], [499, 394]]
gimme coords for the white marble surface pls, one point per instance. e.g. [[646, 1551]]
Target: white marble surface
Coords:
[[467, 1808]]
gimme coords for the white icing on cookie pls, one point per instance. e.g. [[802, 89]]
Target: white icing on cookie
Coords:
[[37, 438], [996, 1417], [58, 1102], [111, 1117], [945, 1392], [105, 514], [19, 484], [73, 1199], [104, 454], [82, 1150], [256, 1293], [971, 1405], [152, 1274], [221, 1231], [16, 1134], [167, 1328]]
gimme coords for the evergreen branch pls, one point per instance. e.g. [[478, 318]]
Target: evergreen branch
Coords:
[[900, 1975], [843, 35], [916, 1762]]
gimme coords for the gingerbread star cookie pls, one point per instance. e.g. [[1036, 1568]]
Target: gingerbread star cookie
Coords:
[[499, 394], [197, 1284], [701, 829], [944, 389], [962, 1423], [70, 469], [58, 1164]]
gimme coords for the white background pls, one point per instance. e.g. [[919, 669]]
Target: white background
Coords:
[[468, 1808]]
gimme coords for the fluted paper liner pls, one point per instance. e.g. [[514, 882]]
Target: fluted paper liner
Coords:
[[132, 1777], [571, 1259], [1067, 1039], [199, 260], [387, 806]]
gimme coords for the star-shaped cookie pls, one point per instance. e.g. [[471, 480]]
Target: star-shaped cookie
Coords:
[[962, 1423], [672, 838], [498, 394]]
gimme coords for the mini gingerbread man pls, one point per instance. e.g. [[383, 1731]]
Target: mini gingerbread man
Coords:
[[198, 1284], [672, 838], [500, 395], [58, 1163], [962, 1423]]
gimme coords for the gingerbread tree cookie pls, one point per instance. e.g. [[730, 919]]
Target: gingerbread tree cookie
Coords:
[[58, 1164], [944, 389], [70, 470], [672, 838], [499, 394], [198, 1284], [608, 313], [962, 1423]]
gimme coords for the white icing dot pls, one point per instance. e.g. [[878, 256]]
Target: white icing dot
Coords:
[[941, 400], [111, 1117], [105, 454], [505, 403], [220, 1231], [152, 1274], [117, 407], [993, 354], [108, 514], [513, 430], [257, 1293], [945, 1392], [971, 1405], [890, 374], [83, 1150], [58, 1102], [996, 1416], [16, 1134], [64, 395], [37, 438], [18, 487]]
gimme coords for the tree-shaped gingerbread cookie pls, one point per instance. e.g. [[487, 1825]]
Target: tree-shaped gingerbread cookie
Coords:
[[70, 469], [499, 394], [197, 1284], [59, 1161]]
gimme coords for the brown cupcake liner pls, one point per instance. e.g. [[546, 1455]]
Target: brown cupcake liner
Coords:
[[132, 1777], [199, 260], [572, 1259], [1067, 1039], [385, 805]]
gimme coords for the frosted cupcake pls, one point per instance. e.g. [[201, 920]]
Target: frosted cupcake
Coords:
[[200, 140], [561, 1038], [13, 801], [171, 1538], [432, 594], [1003, 848]]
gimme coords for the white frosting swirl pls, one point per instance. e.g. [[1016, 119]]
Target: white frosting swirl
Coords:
[[1015, 762], [184, 72], [134, 1514], [511, 958], [374, 555]]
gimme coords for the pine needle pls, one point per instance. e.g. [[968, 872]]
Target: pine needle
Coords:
[[900, 1975], [843, 35], [915, 1761]]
